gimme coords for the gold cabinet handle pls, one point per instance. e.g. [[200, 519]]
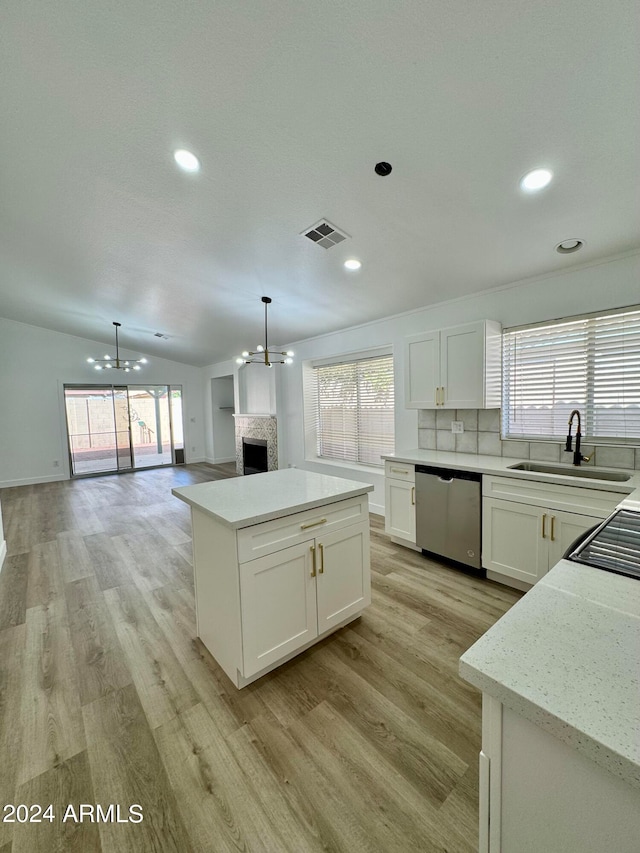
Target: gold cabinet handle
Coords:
[[553, 524], [544, 518], [435, 395], [442, 395], [313, 561], [313, 524], [399, 470], [321, 569], [413, 495]]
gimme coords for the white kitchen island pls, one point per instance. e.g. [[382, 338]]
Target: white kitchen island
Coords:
[[560, 676], [281, 559]]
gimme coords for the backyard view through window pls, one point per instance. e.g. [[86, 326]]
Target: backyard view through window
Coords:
[[354, 410], [119, 428], [587, 363]]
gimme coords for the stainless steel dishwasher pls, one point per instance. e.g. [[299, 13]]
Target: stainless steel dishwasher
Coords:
[[448, 505]]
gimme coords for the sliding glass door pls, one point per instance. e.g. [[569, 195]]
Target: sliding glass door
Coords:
[[122, 428]]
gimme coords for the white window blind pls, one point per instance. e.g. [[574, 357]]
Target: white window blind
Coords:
[[589, 363], [353, 409]]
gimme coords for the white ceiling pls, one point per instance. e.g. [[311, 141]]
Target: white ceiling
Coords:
[[289, 105]]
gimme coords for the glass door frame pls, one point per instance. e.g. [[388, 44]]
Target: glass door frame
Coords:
[[85, 386]]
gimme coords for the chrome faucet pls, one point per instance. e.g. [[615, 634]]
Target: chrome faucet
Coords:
[[577, 455]]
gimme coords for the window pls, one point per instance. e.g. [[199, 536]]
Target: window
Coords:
[[588, 363], [352, 406]]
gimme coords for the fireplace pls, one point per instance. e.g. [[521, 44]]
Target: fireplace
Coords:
[[254, 455]]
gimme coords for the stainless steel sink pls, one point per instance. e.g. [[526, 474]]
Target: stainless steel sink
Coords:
[[571, 471]]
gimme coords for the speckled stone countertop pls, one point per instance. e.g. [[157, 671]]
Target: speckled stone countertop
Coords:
[[502, 466], [567, 658], [243, 501]]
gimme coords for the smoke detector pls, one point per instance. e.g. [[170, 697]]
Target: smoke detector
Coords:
[[325, 234]]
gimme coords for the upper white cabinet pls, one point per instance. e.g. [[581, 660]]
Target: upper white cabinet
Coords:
[[455, 368]]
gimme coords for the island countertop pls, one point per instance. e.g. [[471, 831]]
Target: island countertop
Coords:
[[566, 657], [242, 501]]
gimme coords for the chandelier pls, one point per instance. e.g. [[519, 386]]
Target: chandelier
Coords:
[[264, 356], [111, 363]]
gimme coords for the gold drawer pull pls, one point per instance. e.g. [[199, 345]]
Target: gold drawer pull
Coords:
[[553, 524], [321, 569], [399, 470], [413, 495], [544, 518], [313, 524], [313, 561]]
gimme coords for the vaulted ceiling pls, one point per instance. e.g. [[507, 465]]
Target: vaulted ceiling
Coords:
[[289, 105]]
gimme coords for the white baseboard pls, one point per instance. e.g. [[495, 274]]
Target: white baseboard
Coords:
[[3, 552], [219, 460], [31, 481], [376, 509], [196, 459]]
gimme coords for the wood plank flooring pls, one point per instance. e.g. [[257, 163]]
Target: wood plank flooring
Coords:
[[366, 742]]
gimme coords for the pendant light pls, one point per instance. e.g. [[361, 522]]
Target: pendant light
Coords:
[[116, 363], [262, 351]]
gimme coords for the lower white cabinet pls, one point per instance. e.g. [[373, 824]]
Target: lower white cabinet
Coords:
[[400, 501], [540, 795], [527, 525], [267, 591], [291, 597], [524, 542]]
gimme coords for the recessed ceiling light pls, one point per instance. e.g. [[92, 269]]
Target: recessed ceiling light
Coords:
[[352, 264], [187, 161], [536, 180], [572, 244]]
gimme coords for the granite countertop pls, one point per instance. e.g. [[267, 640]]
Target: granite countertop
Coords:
[[500, 466], [243, 501], [567, 658]]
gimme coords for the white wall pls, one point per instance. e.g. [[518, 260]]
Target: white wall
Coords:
[[34, 365], [222, 423], [610, 284]]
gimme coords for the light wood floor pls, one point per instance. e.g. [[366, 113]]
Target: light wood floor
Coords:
[[366, 742]]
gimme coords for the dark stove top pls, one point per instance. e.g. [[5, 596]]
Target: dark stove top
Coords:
[[614, 546]]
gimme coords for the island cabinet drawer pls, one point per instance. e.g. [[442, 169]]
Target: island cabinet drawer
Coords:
[[270, 536], [400, 471], [595, 502]]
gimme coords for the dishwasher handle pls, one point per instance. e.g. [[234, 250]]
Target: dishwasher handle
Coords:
[[446, 475]]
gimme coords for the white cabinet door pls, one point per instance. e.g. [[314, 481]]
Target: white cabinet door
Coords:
[[278, 604], [514, 541], [422, 370], [400, 509], [566, 527], [462, 365], [343, 577], [456, 368]]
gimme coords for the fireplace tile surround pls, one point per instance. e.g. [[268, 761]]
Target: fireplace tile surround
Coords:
[[257, 426]]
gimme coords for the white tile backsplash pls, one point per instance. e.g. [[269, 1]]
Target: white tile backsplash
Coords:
[[444, 418], [426, 419], [445, 440], [469, 417], [489, 420], [515, 449], [427, 439], [615, 457], [545, 451], [467, 442], [489, 443], [482, 435]]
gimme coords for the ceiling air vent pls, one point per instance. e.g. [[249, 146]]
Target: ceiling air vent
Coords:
[[325, 234]]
